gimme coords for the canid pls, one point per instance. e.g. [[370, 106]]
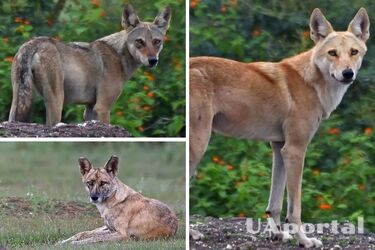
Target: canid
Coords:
[[85, 73], [282, 102], [126, 213]]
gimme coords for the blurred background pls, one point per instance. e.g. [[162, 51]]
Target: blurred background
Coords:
[[234, 177], [153, 100], [43, 199]]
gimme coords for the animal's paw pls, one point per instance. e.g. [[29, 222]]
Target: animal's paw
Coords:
[[61, 242], [283, 236], [310, 242], [195, 234]]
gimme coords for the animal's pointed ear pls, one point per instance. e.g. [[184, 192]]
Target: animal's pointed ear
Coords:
[[129, 17], [319, 26], [360, 25], [112, 166], [84, 165], [162, 20]]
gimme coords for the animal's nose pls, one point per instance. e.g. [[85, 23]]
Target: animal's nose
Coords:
[[94, 198], [152, 60], [348, 74]]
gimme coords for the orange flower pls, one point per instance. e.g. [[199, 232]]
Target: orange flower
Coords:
[[5, 39], [216, 159], [9, 59], [256, 32], [149, 76], [361, 187], [119, 113], [346, 160], [103, 14], [229, 167], [334, 131], [241, 214], [233, 3], [146, 88], [17, 19], [306, 34], [176, 63], [222, 162], [194, 3], [146, 108], [315, 171], [95, 3], [223, 8], [27, 22], [141, 128], [368, 131], [150, 94], [325, 207], [49, 22]]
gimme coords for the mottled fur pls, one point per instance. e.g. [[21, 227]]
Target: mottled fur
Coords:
[[126, 213], [84, 73]]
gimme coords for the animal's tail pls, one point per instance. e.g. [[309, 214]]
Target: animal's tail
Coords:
[[22, 83]]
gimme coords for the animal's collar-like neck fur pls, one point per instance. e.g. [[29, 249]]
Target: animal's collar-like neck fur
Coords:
[[329, 91], [118, 42]]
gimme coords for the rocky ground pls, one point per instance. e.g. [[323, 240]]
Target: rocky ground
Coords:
[[230, 233], [86, 129]]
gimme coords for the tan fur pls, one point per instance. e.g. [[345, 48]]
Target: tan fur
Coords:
[[84, 73], [126, 213], [283, 103]]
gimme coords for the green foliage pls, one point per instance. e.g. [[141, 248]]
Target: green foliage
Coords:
[[153, 100], [235, 175]]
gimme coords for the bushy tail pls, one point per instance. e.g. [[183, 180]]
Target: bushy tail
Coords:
[[22, 83]]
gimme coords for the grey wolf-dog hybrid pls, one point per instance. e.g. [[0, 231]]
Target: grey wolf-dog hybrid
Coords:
[[126, 213], [282, 102], [85, 73]]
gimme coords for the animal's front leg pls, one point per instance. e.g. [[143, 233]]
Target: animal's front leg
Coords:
[[84, 235], [114, 236], [293, 157], [275, 202], [89, 114]]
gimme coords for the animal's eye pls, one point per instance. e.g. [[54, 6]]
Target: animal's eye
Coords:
[[332, 52], [354, 52], [139, 43], [102, 183], [89, 183], [156, 42]]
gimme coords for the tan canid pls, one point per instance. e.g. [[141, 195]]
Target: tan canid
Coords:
[[84, 73], [126, 213], [282, 102]]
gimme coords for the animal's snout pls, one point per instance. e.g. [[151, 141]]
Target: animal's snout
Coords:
[[152, 60], [94, 198], [348, 74]]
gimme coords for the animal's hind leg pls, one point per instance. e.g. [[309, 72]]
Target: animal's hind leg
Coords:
[[114, 236], [54, 105]]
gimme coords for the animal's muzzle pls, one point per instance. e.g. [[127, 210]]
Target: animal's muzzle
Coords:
[[348, 74], [152, 60]]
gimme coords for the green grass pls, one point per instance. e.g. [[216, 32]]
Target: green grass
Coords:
[[44, 174]]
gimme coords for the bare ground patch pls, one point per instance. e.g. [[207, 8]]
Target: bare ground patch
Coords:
[[230, 233], [86, 129]]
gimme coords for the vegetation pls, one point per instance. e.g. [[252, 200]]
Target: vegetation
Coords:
[[153, 100], [234, 176], [50, 202]]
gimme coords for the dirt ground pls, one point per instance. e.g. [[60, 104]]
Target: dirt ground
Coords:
[[230, 233], [86, 129]]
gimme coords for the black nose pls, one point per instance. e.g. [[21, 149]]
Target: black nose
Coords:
[[348, 74], [94, 198], [152, 60]]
